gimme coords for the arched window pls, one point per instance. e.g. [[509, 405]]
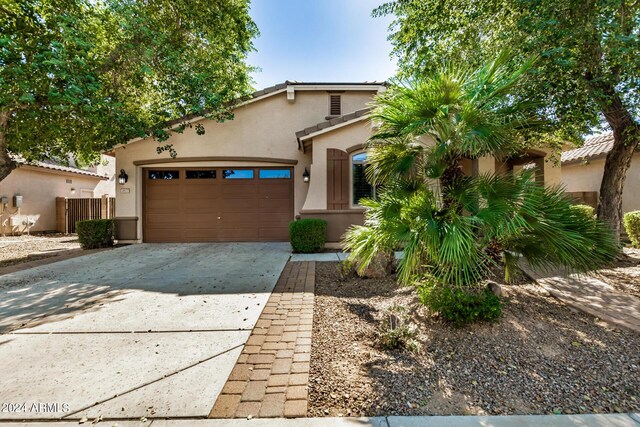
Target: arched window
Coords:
[[360, 187]]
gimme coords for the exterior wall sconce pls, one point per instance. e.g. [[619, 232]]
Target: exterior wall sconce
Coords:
[[306, 176], [73, 191], [123, 177]]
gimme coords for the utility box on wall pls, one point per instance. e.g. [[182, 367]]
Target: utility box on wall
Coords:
[[17, 201]]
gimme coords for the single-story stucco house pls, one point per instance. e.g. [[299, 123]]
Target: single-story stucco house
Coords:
[[293, 150], [28, 195], [582, 170]]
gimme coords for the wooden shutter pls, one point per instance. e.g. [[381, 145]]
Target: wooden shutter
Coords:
[[334, 105], [337, 179]]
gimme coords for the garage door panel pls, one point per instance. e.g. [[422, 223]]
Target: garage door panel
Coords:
[[238, 205], [154, 192], [239, 191], [163, 234], [163, 205], [200, 220], [246, 219], [200, 205], [274, 233], [187, 210], [282, 190], [239, 234], [275, 205], [200, 234], [275, 218]]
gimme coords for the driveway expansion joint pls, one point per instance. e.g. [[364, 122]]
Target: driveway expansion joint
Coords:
[[138, 387], [271, 377]]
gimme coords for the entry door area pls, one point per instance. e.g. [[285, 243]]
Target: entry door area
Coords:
[[217, 204]]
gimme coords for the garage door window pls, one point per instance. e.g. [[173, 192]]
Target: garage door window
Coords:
[[275, 174], [237, 174], [164, 174], [201, 174]]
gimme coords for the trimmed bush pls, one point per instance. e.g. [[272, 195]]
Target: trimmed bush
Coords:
[[632, 225], [461, 306], [95, 233], [307, 235], [584, 210]]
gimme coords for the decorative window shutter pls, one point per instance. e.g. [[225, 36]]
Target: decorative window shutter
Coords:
[[337, 179]]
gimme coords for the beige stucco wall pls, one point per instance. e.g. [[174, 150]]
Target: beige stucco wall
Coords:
[[39, 188], [265, 129], [588, 176], [107, 167], [343, 138]]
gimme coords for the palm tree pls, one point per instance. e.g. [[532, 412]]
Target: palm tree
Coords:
[[447, 223]]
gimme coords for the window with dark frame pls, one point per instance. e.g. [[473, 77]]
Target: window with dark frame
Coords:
[[155, 174], [200, 174], [361, 188], [335, 105], [237, 174], [274, 174]]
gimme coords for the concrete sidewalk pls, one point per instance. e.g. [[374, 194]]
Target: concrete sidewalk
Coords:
[[590, 420]]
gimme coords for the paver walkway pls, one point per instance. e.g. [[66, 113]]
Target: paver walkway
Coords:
[[271, 376], [591, 295]]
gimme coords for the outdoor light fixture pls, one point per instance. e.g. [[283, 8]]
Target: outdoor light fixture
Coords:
[[123, 177], [305, 175], [73, 191]]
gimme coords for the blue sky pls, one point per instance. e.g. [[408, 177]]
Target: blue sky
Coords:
[[320, 40]]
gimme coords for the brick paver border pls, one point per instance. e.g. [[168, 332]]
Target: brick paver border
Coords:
[[271, 376]]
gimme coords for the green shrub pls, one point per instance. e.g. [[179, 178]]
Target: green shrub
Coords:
[[632, 225], [307, 235], [585, 211], [461, 306], [95, 233], [397, 332]]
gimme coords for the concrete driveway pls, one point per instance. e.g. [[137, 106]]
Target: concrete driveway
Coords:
[[143, 330]]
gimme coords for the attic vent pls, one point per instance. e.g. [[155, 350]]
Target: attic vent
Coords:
[[334, 105], [69, 181]]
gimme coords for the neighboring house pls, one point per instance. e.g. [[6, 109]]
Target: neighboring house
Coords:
[[294, 150], [582, 170], [40, 183]]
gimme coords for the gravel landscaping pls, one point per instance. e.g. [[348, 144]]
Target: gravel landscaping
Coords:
[[624, 275], [541, 357], [19, 249]]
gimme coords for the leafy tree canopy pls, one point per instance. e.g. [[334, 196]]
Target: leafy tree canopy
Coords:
[[587, 75], [588, 50], [80, 76]]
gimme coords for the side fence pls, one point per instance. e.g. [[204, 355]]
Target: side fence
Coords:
[[71, 210]]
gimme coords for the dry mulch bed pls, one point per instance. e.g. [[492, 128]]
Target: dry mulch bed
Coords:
[[540, 357], [624, 274], [19, 249]]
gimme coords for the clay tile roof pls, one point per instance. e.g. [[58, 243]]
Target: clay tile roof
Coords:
[[333, 122], [48, 164], [594, 146]]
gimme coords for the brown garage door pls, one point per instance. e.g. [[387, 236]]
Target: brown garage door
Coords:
[[217, 204]]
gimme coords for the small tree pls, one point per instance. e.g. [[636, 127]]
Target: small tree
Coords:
[[450, 224]]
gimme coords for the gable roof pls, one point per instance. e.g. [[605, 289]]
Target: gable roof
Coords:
[[332, 124], [274, 90], [593, 147], [51, 165]]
